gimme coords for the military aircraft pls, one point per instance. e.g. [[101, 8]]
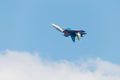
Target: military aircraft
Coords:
[[69, 32]]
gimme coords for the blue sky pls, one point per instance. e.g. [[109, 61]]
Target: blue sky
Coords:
[[25, 25]]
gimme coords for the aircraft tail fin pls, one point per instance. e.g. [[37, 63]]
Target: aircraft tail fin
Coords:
[[82, 33]]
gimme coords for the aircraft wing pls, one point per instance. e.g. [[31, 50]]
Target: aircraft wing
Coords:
[[58, 28], [73, 38]]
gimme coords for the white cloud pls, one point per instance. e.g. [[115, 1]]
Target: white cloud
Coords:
[[26, 66]]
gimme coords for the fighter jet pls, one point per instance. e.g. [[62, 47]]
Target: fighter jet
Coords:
[[69, 32]]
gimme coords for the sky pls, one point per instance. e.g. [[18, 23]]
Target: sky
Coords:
[[25, 26]]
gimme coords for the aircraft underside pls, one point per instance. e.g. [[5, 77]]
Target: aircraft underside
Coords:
[[69, 32]]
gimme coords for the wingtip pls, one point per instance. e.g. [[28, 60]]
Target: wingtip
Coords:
[[52, 24]]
